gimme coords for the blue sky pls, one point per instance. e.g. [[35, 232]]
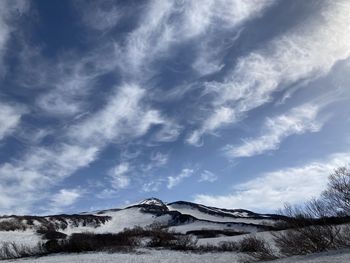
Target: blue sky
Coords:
[[229, 103]]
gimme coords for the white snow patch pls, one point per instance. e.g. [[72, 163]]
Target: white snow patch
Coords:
[[27, 238], [241, 216], [146, 256]]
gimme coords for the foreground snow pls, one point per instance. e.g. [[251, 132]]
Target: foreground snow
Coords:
[[338, 256], [154, 256], [144, 256], [27, 238]]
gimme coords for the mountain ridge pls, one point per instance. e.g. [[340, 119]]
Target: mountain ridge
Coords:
[[180, 216]]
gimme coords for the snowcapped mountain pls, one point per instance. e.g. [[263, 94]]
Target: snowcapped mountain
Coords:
[[153, 201], [182, 217]]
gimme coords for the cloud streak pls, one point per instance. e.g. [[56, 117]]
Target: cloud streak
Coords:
[[64, 198], [158, 31], [303, 52], [136, 80], [207, 176], [272, 189], [9, 13], [124, 117], [119, 177], [175, 180], [10, 118], [297, 121]]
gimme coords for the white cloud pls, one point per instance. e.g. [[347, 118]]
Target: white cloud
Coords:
[[157, 159], [159, 30], [107, 194], [175, 180], [207, 176], [271, 190], [169, 132], [152, 186], [18, 188], [119, 177], [65, 197], [221, 116], [306, 51], [59, 161], [10, 118], [124, 116], [99, 15], [62, 199], [28, 180], [229, 15], [9, 12], [297, 121], [68, 80]]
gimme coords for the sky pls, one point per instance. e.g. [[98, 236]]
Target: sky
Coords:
[[227, 103]]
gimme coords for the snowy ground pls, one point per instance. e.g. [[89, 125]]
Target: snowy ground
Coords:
[[338, 256], [28, 237], [158, 256], [193, 211], [146, 256], [199, 225]]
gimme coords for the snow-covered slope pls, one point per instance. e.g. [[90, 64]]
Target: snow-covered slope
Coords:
[[221, 215], [182, 217]]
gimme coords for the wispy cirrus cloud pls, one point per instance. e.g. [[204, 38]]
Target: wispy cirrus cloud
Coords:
[[157, 159], [152, 186], [64, 82], [119, 176], [28, 179], [221, 115], [299, 120], [10, 11], [10, 118], [63, 199], [303, 52], [207, 176], [272, 189], [123, 118], [167, 24], [116, 89], [99, 15], [175, 180]]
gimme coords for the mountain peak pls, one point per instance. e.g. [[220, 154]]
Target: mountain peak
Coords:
[[152, 201]]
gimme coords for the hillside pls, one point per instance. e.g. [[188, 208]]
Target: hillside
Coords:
[[182, 217]]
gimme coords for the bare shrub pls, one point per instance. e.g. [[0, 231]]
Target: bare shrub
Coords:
[[82, 242], [337, 194], [46, 228], [345, 238], [256, 249], [54, 235], [228, 246], [184, 242], [223, 246], [310, 230], [308, 239], [161, 238], [12, 225]]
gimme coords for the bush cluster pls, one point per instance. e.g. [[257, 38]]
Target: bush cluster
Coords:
[[12, 225]]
